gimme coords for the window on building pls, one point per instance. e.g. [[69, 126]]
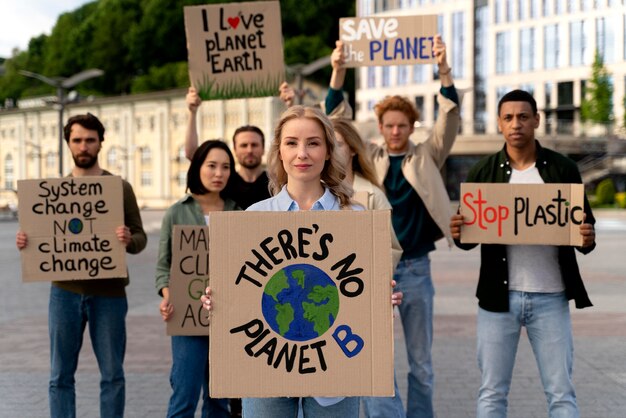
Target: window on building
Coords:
[[386, 78], [419, 73], [371, 77], [548, 95], [605, 39], [111, 157], [547, 8], [527, 49], [181, 178], [8, 172], [509, 10], [419, 105], [146, 178], [146, 155], [522, 9], [550, 46], [499, 11], [565, 92], [529, 87], [560, 7], [534, 8], [458, 43], [181, 156], [586, 5], [503, 53], [403, 77], [51, 159]]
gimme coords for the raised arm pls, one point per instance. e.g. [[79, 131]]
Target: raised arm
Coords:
[[191, 135]]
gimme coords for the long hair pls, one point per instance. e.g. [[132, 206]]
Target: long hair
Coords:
[[194, 182], [361, 162], [332, 174]]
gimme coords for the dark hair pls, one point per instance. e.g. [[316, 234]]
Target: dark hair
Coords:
[[87, 121], [249, 128], [518, 96], [194, 183]]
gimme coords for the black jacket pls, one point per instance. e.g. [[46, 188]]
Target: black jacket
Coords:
[[493, 283]]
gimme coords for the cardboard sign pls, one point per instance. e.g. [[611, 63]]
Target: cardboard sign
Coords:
[[388, 40], [301, 304], [70, 224], [235, 49], [541, 214], [189, 277]]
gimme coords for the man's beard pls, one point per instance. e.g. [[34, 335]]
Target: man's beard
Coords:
[[251, 164], [83, 163]]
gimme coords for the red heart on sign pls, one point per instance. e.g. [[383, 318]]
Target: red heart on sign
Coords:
[[233, 22]]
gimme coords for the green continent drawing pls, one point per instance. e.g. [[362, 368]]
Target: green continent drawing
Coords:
[[300, 302]]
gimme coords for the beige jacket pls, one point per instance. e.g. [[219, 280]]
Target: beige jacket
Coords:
[[423, 162], [374, 199]]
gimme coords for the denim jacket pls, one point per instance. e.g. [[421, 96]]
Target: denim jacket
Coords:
[[493, 282]]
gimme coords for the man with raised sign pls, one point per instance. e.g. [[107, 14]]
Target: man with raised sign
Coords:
[[101, 303], [526, 285], [421, 212]]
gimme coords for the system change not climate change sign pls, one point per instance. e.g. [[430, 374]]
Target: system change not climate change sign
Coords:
[[70, 224]]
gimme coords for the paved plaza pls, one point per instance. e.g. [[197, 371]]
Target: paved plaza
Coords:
[[599, 332]]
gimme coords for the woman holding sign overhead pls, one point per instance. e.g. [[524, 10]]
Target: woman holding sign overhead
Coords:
[[209, 183], [306, 173]]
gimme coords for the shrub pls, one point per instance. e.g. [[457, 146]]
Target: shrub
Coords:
[[605, 192], [620, 199]]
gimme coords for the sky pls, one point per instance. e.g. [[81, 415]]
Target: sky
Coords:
[[21, 20]]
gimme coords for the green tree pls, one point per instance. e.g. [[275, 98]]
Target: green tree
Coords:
[[597, 105]]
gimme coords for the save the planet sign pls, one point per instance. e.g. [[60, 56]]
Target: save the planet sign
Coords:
[[302, 303], [541, 214], [388, 40], [70, 224], [235, 49]]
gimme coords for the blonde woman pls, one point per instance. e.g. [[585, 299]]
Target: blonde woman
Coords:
[[306, 172]]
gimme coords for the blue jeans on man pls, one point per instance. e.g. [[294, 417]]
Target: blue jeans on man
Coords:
[[189, 378], [69, 313], [414, 280], [547, 320]]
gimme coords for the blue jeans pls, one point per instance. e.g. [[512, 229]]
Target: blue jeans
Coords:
[[189, 377], [547, 321], [68, 314], [288, 408], [416, 311]]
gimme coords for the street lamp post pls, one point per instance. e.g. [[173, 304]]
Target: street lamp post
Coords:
[[62, 84], [302, 70]]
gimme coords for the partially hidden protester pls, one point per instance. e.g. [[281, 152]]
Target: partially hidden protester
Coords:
[[526, 285], [210, 189], [100, 303]]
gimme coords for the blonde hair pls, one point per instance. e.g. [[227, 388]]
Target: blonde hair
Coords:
[[332, 174], [361, 162]]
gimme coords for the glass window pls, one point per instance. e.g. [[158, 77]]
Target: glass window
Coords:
[[51, 159], [8, 172], [550, 47], [605, 39], [419, 73], [561, 7], [534, 8], [402, 74], [522, 10], [146, 178], [547, 8], [371, 77], [458, 43], [548, 94], [499, 11], [580, 49], [503, 53], [527, 49], [111, 157], [386, 78], [529, 87], [586, 5], [146, 155]]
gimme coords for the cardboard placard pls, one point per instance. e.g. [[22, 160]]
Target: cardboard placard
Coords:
[[532, 214], [301, 304], [189, 277], [235, 49], [70, 224], [388, 40]]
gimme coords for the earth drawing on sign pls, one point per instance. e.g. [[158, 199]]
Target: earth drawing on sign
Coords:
[[300, 302]]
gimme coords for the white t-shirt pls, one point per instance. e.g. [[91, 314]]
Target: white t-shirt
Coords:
[[533, 268]]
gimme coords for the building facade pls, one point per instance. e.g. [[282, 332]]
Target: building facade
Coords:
[[144, 139]]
